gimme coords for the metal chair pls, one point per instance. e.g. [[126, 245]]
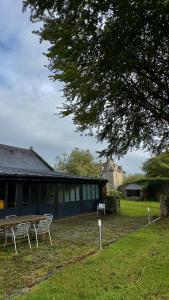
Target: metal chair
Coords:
[[18, 232], [2, 231], [49, 218], [43, 227], [10, 216], [101, 207]]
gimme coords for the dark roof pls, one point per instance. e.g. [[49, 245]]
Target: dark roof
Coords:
[[15, 157], [133, 186], [21, 162], [6, 171]]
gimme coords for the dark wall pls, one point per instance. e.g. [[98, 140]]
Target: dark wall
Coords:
[[59, 199]]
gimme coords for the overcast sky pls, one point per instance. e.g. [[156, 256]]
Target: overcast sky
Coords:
[[28, 99]]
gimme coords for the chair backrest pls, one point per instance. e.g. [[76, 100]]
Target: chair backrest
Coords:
[[49, 218], [43, 226], [22, 229], [101, 205], [11, 216]]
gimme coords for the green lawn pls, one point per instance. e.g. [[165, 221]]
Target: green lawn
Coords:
[[135, 267], [139, 208], [72, 238]]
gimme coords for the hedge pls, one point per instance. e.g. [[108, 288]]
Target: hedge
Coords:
[[152, 187]]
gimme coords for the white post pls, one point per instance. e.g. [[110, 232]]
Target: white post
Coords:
[[100, 233], [149, 217]]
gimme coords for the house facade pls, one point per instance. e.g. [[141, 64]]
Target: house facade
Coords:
[[113, 173], [133, 191], [29, 185]]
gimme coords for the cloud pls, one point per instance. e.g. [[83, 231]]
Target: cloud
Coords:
[[28, 99]]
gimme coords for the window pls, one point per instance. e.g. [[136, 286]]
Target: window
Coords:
[[11, 195], [77, 193], [72, 193], [33, 193], [89, 192], [25, 194], [93, 191], [50, 193], [84, 192], [44, 193], [60, 192], [2, 195], [97, 192], [67, 194]]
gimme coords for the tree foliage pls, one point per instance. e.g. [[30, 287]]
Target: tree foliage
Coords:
[[132, 178], [157, 166], [113, 58], [78, 162]]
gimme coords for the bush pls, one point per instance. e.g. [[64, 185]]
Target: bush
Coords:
[[112, 202], [153, 187]]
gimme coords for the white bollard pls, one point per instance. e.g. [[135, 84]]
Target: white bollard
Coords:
[[148, 215], [100, 233]]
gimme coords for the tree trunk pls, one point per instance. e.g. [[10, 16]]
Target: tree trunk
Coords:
[[164, 204]]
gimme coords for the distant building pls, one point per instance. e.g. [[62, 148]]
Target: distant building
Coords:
[[133, 191], [113, 173]]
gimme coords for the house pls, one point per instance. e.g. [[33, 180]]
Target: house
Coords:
[[29, 185], [133, 191], [113, 173]]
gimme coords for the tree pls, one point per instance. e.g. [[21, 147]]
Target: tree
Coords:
[[133, 177], [78, 162], [113, 58], [157, 166]]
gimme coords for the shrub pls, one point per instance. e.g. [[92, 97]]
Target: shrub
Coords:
[[112, 201]]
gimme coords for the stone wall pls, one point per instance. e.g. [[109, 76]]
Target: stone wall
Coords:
[[113, 173]]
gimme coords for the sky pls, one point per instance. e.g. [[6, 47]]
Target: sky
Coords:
[[28, 99]]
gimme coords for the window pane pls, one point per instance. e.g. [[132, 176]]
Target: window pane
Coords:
[[84, 192], [50, 194], [44, 192], [89, 192], [25, 194], [2, 195], [77, 193], [11, 195], [93, 192], [47, 193], [33, 193], [55, 192], [72, 193], [60, 193], [67, 196], [97, 192]]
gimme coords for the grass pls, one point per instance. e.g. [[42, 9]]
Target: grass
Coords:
[[139, 208], [136, 267], [73, 238]]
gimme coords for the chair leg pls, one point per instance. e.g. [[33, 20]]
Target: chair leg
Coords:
[[50, 238], [37, 245], [36, 236], [29, 241], [15, 245], [5, 243]]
